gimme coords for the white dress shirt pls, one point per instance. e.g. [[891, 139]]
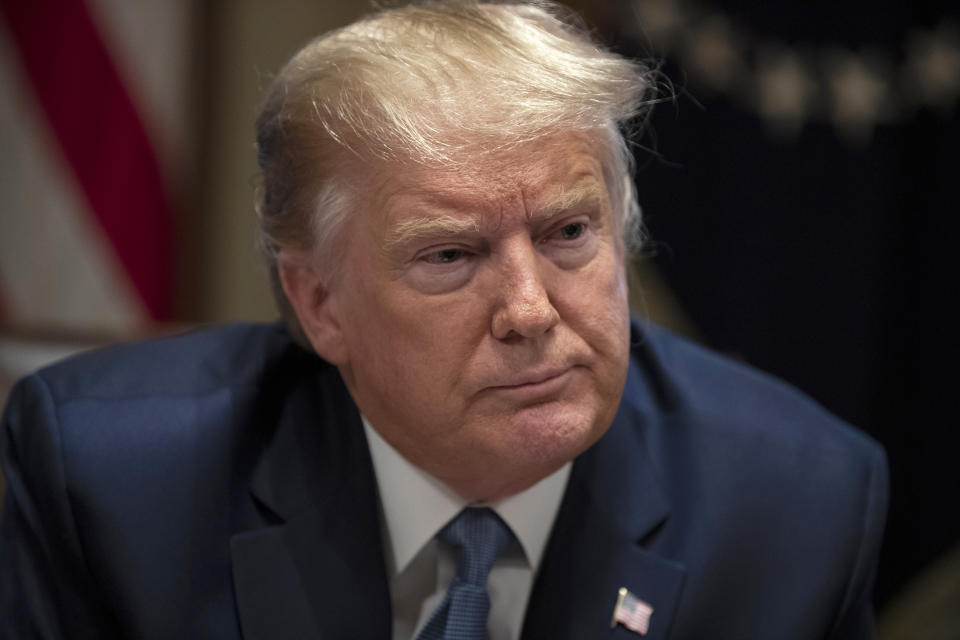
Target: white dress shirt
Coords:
[[415, 506]]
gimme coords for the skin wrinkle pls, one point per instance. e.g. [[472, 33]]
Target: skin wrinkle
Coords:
[[427, 227], [447, 87], [450, 183], [433, 371]]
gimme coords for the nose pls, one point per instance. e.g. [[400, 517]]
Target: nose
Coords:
[[524, 309]]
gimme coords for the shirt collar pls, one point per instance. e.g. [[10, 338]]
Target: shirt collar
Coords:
[[416, 505]]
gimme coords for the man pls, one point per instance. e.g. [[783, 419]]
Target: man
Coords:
[[485, 443]]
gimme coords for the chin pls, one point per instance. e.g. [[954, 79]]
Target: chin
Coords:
[[552, 434], [513, 452]]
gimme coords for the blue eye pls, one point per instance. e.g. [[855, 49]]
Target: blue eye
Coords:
[[445, 256], [572, 231]]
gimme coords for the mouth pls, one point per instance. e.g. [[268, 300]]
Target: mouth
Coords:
[[534, 378], [535, 385]]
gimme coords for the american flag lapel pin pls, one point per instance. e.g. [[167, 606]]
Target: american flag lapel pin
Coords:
[[631, 612]]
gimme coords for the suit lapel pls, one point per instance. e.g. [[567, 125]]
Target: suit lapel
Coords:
[[316, 570], [613, 507]]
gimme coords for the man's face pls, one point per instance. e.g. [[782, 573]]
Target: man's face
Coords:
[[483, 313]]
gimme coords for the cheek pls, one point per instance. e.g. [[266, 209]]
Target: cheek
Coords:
[[596, 301], [415, 346]]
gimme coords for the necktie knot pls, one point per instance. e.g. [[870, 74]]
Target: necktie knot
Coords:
[[478, 536]]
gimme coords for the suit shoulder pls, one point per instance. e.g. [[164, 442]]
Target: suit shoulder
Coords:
[[733, 399], [195, 362], [761, 483]]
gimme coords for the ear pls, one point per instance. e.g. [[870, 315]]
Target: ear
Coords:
[[307, 290]]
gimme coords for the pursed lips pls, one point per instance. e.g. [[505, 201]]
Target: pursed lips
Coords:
[[533, 378], [529, 381]]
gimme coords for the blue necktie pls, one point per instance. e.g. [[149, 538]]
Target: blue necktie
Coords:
[[478, 535]]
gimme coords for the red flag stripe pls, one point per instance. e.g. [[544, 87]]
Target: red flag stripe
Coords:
[[100, 134]]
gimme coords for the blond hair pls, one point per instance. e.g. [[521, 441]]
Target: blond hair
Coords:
[[439, 84]]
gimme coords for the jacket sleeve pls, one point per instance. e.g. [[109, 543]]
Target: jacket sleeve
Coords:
[[46, 589], [855, 620]]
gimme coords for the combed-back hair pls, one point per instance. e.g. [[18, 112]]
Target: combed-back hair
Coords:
[[437, 83]]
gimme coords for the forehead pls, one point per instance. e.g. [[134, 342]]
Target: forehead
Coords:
[[550, 173]]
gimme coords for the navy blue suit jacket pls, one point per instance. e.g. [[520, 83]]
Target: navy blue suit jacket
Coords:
[[218, 485]]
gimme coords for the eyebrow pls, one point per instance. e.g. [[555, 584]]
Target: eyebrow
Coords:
[[420, 228], [423, 227], [584, 192]]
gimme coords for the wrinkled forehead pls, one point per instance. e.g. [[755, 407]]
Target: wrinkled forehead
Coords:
[[550, 173]]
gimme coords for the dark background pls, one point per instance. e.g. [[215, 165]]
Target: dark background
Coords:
[[823, 252]]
